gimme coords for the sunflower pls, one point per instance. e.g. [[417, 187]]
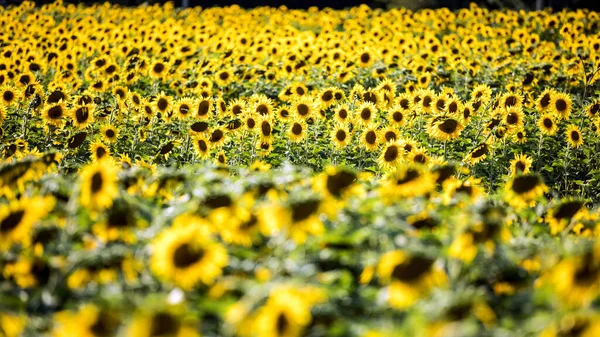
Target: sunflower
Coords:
[[99, 151], [204, 108], [342, 113], [8, 94], [524, 189], [576, 279], [365, 58], [370, 138], [162, 322], [513, 117], [397, 115], [445, 128], [53, 114], [297, 131], [217, 137], [573, 135], [564, 213], [511, 99], [326, 97], [159, 70], [265, 125], [187, 255], [221, 159], [286, 312], [264, 147], [283, 112], [520, 137], [481, 92], [109, 133], [582, 324], [521, 164], [407, 180], [18, 217], [184, 107], [593, 109], [410, 277], [224, 77], [236, 107], [340, 136], [420, 157], [425, 99], [98, 185], [560, 105], [163, 103], [478, 154], [547, 125], [390, 155], [12, 324], [81, 115], [98, 86], [297, 218], [543, 101], [304, 108], [337, 183], [202, 146], [88, 321], [365, 113]]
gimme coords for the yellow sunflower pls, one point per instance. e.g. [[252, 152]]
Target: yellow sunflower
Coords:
[[340, 136], [573, 135], [18, 217], [99, 151], [521, 164], [88, 321], [445, 128], [575, 279], [407, 180], [186, 256], [524, 189], [167, 321], [98, 185], [409, 277], [286, 312], [391, 155], [566, 212], [560, 105], [109, 133]]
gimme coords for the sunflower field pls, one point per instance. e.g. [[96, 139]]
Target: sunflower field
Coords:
[[272, 172]]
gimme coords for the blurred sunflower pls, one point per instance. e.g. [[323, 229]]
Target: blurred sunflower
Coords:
[[524, 189], [409, 276], [98, 185], [187, 256], [88, 321], [18, 217]]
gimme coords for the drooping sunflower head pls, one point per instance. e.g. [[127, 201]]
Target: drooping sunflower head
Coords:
[[543, 101]]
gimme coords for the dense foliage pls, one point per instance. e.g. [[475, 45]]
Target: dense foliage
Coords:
[[274, 172]]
